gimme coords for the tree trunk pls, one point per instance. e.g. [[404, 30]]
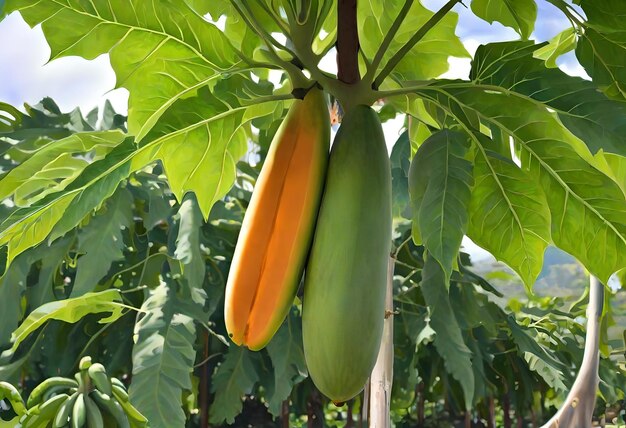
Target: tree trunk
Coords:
[[285, 414], [491, 423], [349, 417], [506, 408], [381, 379], [577, 410], [468, 419], [421, 408], [203, 395]]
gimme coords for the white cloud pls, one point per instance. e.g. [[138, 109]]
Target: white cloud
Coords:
[[27, 76]]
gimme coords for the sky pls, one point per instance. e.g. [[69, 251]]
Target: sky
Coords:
[[26, 76]]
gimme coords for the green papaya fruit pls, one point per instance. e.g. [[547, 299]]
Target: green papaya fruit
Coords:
[[345, 279]]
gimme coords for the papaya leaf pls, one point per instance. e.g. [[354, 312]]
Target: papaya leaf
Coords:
[[429, 57], [163, 358], [101, 242], [206, 166], [12, 287], [188, 241], [200, 139], [520, 15], [55, 165], [509, 215], [59, 212], [400, 163], [601, 49], [50, 260], [287, 355], [159, 54], [539, 359], [233, 378], [560, 44], [440, 182], [588, 113], [71, 311], [448, 335], [563, 166]]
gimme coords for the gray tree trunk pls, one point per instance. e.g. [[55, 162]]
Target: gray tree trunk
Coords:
[[577, 410], [381, 379]]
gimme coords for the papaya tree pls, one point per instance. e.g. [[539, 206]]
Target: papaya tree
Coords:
[[137, 218]]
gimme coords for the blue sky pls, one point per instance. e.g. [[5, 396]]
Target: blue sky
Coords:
[[26, 76]]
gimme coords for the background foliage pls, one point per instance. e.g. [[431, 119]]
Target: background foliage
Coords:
[[118, 232]]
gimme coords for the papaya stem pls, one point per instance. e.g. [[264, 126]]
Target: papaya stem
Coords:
[[384, 46], [295, 74], [419, 35], [347, 42]]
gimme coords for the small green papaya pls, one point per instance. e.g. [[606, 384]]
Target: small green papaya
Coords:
[[345, 279]]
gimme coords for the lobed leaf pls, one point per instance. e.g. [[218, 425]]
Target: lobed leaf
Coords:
[[287, 355], [101, 242], [587, 207], [71, 311], [163, 358], [600, 122], [520, 15], [428, 58], [234, 377], [448, 335], [440, 184]]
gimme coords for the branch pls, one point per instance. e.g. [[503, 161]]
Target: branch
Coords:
[[347, 42], [419, 35], [391, 34]]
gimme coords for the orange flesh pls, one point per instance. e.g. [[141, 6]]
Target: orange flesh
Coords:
[[269, 256]]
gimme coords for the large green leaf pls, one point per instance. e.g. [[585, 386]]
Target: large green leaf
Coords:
[[601, 49], [71, 311], [448, 335], [59, 212], [429, 57], [159, 54], [57, 164], [589, 114], [588, 209], [520, 15], [234, 377], [101, 242], [200, 139], [163, 358], [285, 350], [539, 359], [509, 215], [440, 182], [205, 165]]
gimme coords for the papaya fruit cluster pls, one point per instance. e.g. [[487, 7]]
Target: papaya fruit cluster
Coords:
[[91, 400], [329, 217]]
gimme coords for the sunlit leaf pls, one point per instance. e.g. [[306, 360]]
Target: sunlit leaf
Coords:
[[520, 15], [71, 311], [429, 57]]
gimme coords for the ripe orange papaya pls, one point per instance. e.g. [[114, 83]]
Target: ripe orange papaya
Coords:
[[345, 280], [277, 229]]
